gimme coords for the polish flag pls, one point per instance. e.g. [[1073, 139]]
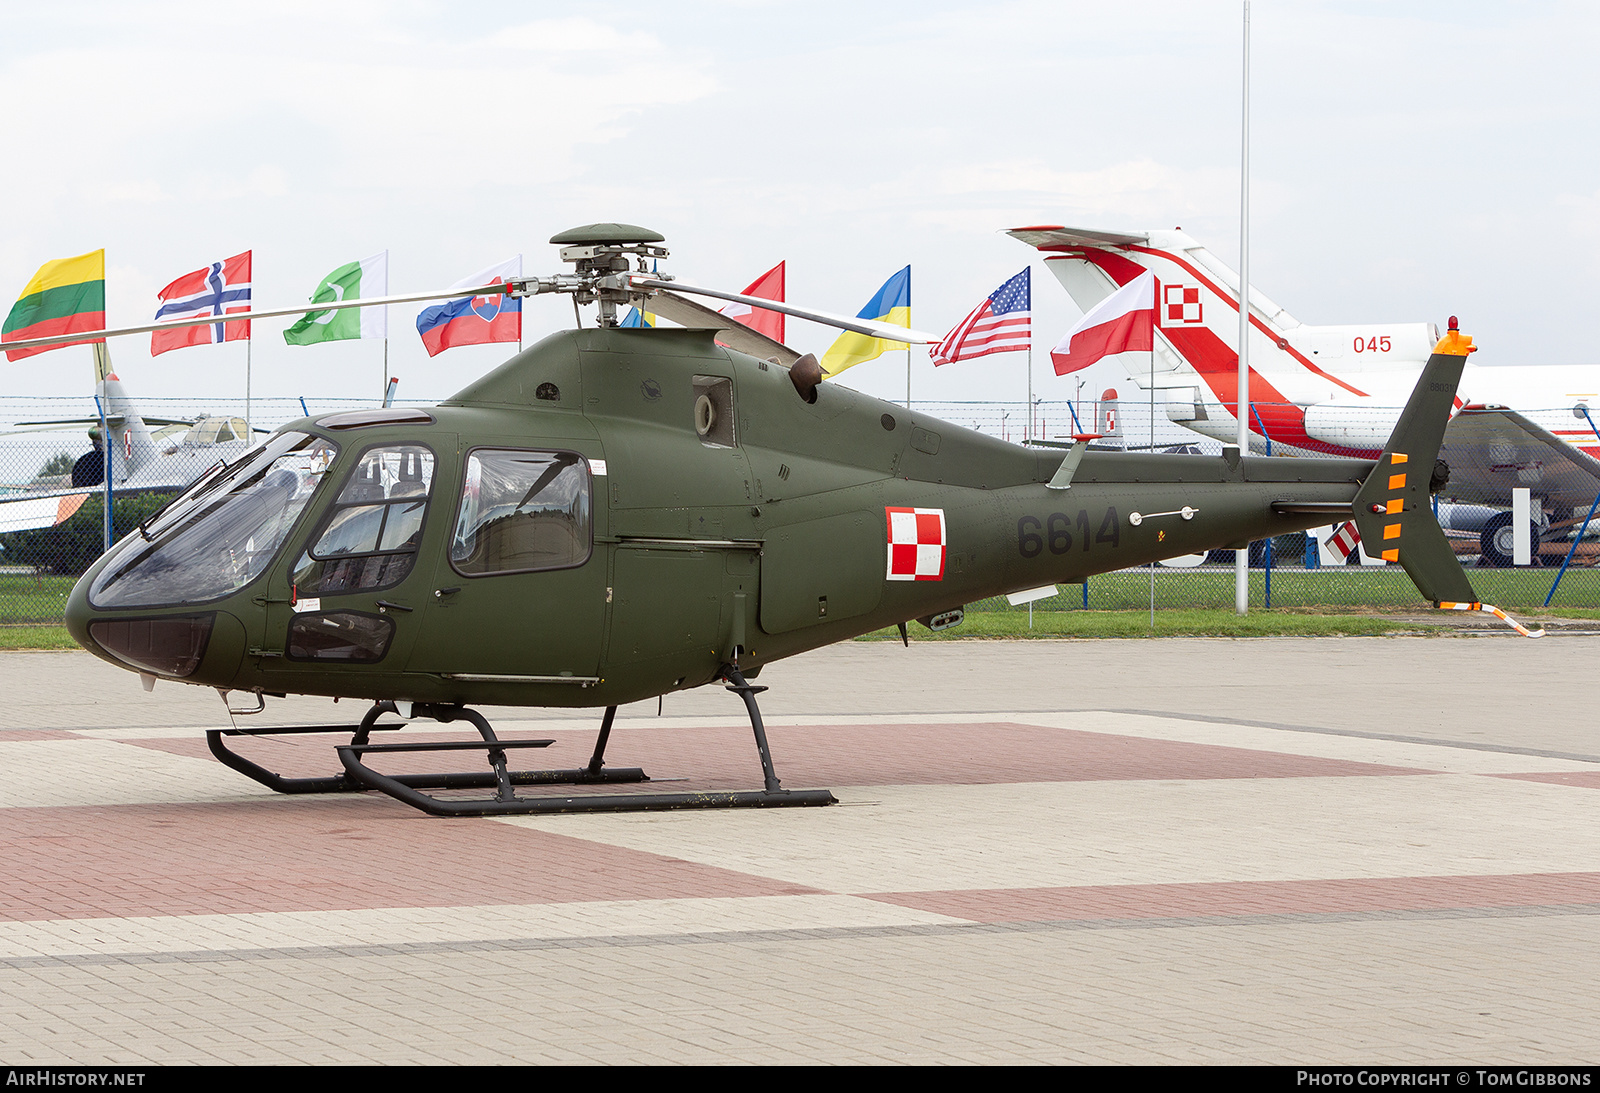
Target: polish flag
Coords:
[[769, 286], [1123, 322]]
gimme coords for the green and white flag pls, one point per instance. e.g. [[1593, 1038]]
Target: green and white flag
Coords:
[[368, 277]]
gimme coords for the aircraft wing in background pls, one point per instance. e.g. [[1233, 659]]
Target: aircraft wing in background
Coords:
[[1493, 449]]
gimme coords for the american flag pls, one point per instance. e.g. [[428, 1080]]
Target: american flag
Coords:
[[220, 288], [1001, 324]]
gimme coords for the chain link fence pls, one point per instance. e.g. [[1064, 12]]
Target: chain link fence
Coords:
[[40, 564]]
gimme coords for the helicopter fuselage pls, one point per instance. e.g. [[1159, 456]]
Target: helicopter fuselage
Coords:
[[618, 513]]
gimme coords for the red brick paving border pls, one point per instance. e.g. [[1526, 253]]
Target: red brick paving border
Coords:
[[1235, 898], [307, 854], [983, 753], [1589, 779]]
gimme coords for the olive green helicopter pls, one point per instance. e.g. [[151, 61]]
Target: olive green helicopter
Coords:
[[618, 513]]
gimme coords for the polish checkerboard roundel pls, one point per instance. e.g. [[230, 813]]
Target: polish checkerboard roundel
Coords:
[[916, 544], [1181, 305]]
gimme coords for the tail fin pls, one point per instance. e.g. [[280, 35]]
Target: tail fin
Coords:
[[132, 446], [1392, 509], [1108, 416]]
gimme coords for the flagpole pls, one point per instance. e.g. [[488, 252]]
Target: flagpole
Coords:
[[247, 344], [1030, 387], [1241, 558]]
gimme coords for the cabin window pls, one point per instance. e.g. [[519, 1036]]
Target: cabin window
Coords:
[[369, 538], [350, 636], [220, 534], [522, 511]]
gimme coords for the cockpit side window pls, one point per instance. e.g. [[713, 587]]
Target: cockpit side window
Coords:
[[369, 538], [522, 511]]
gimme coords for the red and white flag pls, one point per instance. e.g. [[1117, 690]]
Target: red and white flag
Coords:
[[916, 544], [219, 289], [1001, 324], [1343, 542], [769, 286], [1123, 322]]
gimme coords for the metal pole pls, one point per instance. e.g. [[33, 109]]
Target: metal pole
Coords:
[[1030, 388], [1241, 558]]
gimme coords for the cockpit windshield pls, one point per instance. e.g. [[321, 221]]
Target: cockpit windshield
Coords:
[[223, 533]]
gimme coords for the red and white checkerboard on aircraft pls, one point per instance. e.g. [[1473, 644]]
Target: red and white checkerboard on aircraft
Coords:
[[1334, 390]]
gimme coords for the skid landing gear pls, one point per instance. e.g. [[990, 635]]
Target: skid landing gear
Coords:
[[408, 788]]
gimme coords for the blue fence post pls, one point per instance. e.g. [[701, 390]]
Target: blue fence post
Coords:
[[106, 534], [1573, 549]]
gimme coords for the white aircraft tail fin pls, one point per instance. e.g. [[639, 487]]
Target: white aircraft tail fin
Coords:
[[1196, 358], [132, 447], [1108, 416]]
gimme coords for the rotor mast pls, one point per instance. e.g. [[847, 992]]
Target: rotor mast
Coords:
[[600, 254]]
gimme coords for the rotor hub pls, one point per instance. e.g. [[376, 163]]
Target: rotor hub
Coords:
[[600, 255]]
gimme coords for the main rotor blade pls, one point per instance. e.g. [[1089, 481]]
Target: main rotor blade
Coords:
[[730, 332], [245, 316], [870, 327]]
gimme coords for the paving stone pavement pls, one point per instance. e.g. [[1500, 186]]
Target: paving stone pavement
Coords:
[[1266, 851]]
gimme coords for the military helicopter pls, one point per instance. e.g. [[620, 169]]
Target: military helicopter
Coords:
[[619, 513]]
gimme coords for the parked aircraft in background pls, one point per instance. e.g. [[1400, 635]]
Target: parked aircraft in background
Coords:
[[1338, 390], [147, 455]]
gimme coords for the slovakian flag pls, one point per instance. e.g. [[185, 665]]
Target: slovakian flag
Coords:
[[1001, 324], [66, 296], [474, 320], [220, 288], [1123, 322], [769, 286]]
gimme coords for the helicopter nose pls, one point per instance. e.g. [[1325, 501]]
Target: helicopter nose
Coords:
[[204, 647]]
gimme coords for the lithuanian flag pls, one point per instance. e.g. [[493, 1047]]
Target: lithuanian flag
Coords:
[[66, 296]]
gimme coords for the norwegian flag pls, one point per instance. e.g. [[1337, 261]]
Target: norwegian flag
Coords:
[[1001, 324], [916, 544], [1344, 541], [219, 289]]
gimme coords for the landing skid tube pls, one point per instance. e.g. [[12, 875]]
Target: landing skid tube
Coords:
[[407, 788], [593, 774]]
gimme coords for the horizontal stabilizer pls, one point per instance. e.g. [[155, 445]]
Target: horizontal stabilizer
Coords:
[[1047, 235]]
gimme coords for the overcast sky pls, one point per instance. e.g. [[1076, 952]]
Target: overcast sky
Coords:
[[1409, 160]]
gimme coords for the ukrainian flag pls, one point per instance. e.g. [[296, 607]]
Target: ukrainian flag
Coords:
[[892, 304]]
